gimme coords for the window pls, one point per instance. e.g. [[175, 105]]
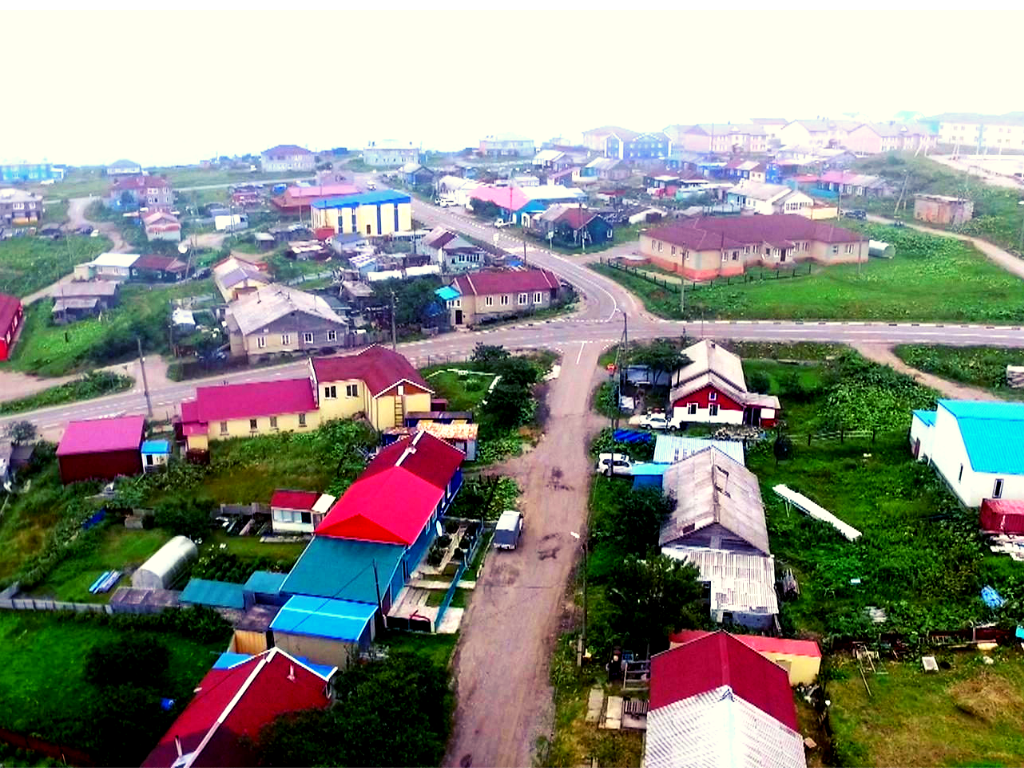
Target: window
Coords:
[[331, 392], [504, 300], [524, 298], [252, 424], [307, 338], [351, 390], [538, 297], [691, 409], [489, 301], [332, 335], [286, 338], [849, 249], [273, 422], [307, 517], [261, 341], [835, 249], [735, 255], [660, 244], [713, 409], [223, 427], [302, 419], [713, 396], [997, 489], [673, 250], [960, 476]]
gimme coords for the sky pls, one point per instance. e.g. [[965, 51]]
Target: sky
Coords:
[[166, 88]]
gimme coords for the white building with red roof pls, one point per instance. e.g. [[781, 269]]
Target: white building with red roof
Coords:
[[286, 158], [493, 294], [129, 192]]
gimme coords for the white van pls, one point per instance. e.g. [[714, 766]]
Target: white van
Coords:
[[614, 463]]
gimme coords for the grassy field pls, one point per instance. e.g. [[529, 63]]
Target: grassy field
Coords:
[[463, 391], [52, 350], [77, 182], [30, 263], [966, 715], [42, 685], [93, 385], [930, 279], [978, 366], [194, 176]]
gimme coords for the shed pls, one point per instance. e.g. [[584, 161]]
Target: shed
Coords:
[[252, 632], [264, 588], [155, 454], [166, 564], [323, 630], [1002, 516], [880, 250], [101, 449], [648, 475], [215, 594]]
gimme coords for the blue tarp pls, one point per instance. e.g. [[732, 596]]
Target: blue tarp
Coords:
[[991, 598], [94, 520], [632, 436], [341, 620], [447, 293]]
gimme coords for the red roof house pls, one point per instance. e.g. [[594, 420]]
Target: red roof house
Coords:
[[303, 500], [492, 282], [298, 199], [11, 313], [404, 489], [379, 368], [1002, 516], [101, 449], [230, 707], [802, 657]]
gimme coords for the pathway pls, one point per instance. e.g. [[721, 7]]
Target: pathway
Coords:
[[882, 353]]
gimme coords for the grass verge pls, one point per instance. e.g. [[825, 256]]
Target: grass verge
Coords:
[[30, 263], [978, 366], [92, 385]]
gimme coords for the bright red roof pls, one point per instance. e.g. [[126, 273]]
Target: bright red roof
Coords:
[[396, 494], [102, 435], [320, 191], [294, 499], [139, 182], [717, 660], [576, 218], [215, 721], [758, 643], [9, 306], [248, 401], [489, 282], [509, 198], [379, 368]]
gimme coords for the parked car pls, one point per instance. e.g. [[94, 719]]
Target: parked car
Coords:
[[856, 213], [370, 185], [659, 421], [614, 464], [508, 530], [898, 223], [445, 203], [499, 223]]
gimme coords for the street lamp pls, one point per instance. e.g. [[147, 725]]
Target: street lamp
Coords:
[[580, 538]]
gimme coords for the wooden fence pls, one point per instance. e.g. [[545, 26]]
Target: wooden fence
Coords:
[[34, 604], [754, 277]]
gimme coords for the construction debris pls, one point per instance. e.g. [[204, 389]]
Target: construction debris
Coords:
[[1015, 376]]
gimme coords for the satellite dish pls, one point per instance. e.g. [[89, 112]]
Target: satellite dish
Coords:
[[182, 247]]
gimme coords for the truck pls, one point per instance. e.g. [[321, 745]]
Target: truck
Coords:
[[508, 530]]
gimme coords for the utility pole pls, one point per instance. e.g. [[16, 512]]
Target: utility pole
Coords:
[[145, 384], [394, 333]]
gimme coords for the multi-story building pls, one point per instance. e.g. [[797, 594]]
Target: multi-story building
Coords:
[[492, 294], [390, 154], [974, 132], [719, 138], [383, 212], [874, 138], [131, 192], [707, 247], [506, 145], [278, 319], [30, 172], [817, 133], [624, 144], [19, 207], [287, 158]]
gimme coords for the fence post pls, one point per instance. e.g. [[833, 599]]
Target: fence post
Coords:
[[808, 438]]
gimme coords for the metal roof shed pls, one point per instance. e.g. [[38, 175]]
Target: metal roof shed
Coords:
[[323, 630], [215, 594], [164, 567]]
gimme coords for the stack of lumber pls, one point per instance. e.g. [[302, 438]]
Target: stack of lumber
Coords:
[[1015, 376]]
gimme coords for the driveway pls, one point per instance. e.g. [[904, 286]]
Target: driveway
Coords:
[[76, 216], [505, 701]]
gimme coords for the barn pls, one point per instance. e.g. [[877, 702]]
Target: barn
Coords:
[[1002, 516], [101, 449]]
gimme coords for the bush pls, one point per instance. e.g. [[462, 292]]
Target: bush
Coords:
[[128, 662], [759, 381], [185, 517]]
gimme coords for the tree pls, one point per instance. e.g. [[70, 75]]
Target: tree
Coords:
[[652, 598], [517, 371], [636, 521], [782, 447], [185, 516], [19, 432], [489, 353], [660, 356], [759, 381], [506, 404]]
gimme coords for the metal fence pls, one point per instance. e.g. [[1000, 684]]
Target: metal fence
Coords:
[[760, 276], [32, 604], [466, 560]]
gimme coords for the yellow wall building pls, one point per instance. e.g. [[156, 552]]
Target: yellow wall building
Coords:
[[800, 658], [373, 213]]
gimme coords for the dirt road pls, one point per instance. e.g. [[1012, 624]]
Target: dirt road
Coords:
[[996, 170], [76, 217], [502, 661], [883, 354]]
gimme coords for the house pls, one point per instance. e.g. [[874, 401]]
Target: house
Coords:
[[158, 268], [943, 209], [236, 276], [552, 160], [462, 435], [390, 154], [575, 227], [738, 168], [719, 138], [20, 207], [277, 318], [624, 144], [232, 703], [162, 226], [875, 138], [452, 251], [129, 193], [77, 300], [244, 410], [772, 125], [298, 511], [416, 175], [30, 172], [706, 247], [455, 188], [124, 168], [711, 389], [155, 455], [492, 294], [767, 199], [817, 133], [352, 570], [976, 132], [800, 658], [519, 204], [855, 184], [668, 449], [976, 447], [11, 315], [287, 158], [382, 212], [506, 145], [379, 383], [107, 266], [325, 630], [101, 449], [602, 169], [715, 701]]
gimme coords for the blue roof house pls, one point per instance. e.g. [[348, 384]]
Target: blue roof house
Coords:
[[324, 630], [977, 447]]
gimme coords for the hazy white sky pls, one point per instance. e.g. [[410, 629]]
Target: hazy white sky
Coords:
[[161, 87]]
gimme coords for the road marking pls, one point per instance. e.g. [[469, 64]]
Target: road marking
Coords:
[[580, 354]]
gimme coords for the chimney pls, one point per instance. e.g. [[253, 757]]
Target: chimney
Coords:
[[177, 745]]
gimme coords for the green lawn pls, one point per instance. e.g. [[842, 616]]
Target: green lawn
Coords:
[[42, 688], [47, 349], [463, 391], [930, 279], [249, 547], [116, 547], [968, 715], [978, 366], [30, 263], [437, 649], [194, 176], [55, 213], [92, 385], [77, 182]]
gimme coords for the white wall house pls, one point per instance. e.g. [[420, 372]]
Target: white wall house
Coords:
[[977, 447], [298, 511]]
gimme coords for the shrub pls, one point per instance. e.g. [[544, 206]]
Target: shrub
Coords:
[[127, 661]]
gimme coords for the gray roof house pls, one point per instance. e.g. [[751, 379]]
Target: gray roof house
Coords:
[[277, 319], [124, 168]]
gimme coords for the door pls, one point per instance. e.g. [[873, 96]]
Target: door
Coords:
[[458, 317], [917, 448]]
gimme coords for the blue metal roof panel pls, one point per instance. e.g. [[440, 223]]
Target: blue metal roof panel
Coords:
[[649, 469], [993, 434], [216, 594], [343, 568], [977, 409], [322, 617], [228, 660], [379, 197], [447, 293], [926, 417], [156, 446], [265, 582], [672, 448]]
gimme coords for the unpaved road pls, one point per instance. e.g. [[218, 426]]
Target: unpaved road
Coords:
[[882, 353], [995, 170], [501, 665]]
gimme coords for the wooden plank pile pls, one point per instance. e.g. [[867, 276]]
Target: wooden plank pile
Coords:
[[1015, 376]]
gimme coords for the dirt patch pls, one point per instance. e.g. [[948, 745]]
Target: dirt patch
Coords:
[[987, 697], [881, 353]]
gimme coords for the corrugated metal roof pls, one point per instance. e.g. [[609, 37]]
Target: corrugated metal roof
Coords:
[[216, 594], [156, 446], [739, 583], [379, 197], [760, 644], [672, 448], [102, 435], [319, 617], [265, 581], [993, 434], [343, 569], [265, 305]]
